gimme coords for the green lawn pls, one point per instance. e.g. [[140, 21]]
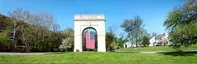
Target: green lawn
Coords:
[[155, 48], [98, 58], [127, 57]]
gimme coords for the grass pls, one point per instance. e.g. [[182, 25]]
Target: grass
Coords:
[[105, 58], [155, 48], [98, 58]]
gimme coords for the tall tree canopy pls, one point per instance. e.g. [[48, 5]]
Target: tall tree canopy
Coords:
[[134, 28], [182, 25], [68, 42], [110, 38], [36, 31], [121, 41]]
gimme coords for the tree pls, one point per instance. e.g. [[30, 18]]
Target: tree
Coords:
[[110, 39], [26, 31], [5, 33], [5, 44], [69, 32], [36, 30], [145, 41], [134, 28], [67, 44], [121, 41], [68, 41], [4, 37], [182, 25]]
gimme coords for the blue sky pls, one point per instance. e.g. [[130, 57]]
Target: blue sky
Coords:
[[153, 12]]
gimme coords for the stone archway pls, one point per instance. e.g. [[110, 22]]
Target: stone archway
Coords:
[[83, 21], [84, 32]]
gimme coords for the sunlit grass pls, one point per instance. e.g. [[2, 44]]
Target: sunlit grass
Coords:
[[117, 57], [155, 48], [98, 58]]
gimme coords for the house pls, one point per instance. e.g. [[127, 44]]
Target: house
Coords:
[[159, 41], [153, 41]]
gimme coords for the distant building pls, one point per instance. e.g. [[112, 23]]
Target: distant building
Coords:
[[129, 44], [159, 42], [153, 41]]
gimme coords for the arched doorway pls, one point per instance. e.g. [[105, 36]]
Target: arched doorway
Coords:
[[86, 21], [89, 43]]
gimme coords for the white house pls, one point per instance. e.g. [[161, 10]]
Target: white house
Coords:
[[163, 41], [153, 41], [129, 44]]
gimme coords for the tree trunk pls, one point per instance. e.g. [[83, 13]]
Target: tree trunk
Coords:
[[27, 47]]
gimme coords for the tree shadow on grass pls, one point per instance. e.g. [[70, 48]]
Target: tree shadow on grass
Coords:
[[180, 53]]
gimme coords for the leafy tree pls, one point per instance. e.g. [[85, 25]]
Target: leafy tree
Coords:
[[36, 30], [134, 28], [68, 41], [4, 37], [67, 44], [182, 25], [110, 38], [5, 30], [145, 41], [121, 41], [5, 44], [69, 33]]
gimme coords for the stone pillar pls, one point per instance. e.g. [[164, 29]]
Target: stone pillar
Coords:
[[77, 43], [101, 43]]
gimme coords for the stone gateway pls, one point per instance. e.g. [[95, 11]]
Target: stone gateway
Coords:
[[84, 21]]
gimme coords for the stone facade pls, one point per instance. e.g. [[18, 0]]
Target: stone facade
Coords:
[[83, 21]]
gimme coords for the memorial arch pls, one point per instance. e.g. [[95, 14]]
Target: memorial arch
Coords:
[[94, 21]]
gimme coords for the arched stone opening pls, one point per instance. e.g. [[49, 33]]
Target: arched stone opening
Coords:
[[84, 39]]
